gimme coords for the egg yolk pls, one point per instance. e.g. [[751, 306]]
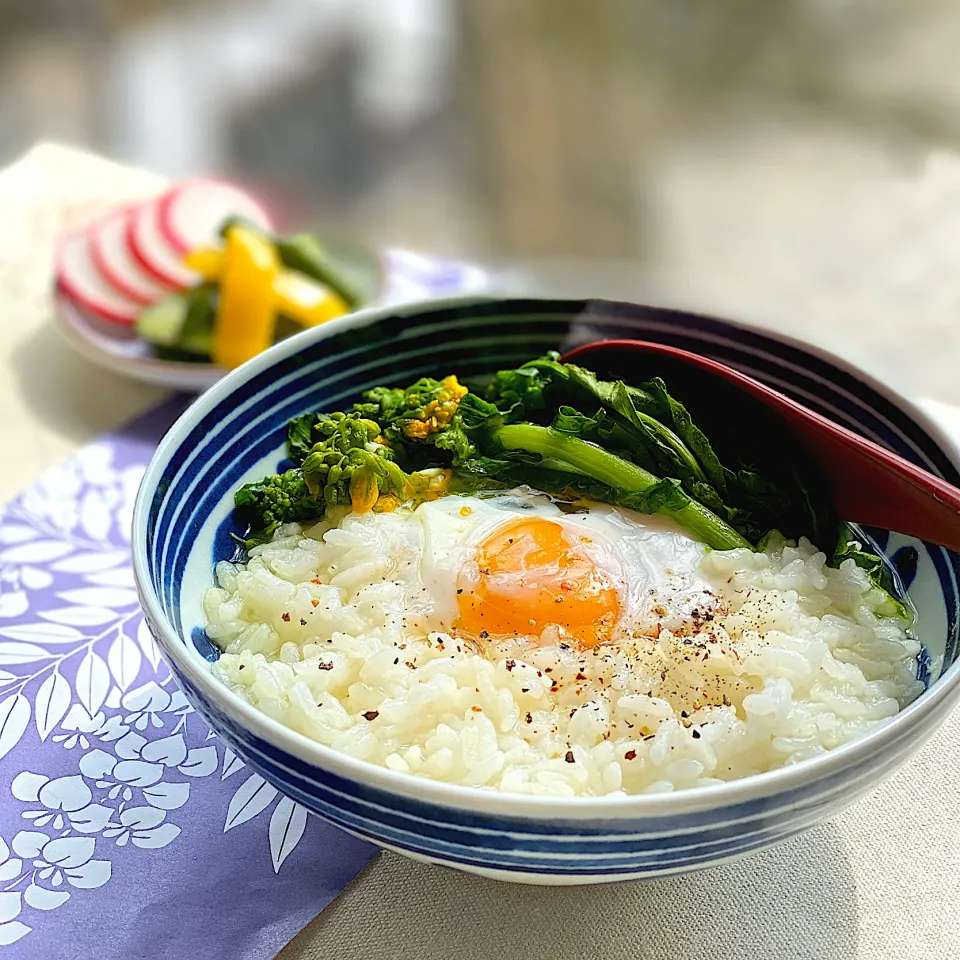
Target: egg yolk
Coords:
[[533, 574]]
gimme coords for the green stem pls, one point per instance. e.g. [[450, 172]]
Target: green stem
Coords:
[[587, 459]]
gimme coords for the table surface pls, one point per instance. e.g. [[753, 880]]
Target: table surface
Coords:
[[879, 882]]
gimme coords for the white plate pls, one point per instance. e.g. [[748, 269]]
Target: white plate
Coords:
[[402, 277]]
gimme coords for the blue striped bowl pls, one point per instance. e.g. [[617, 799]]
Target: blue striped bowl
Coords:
[[235, 433]]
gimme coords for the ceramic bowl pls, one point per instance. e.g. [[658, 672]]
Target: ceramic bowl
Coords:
[[235, 433]]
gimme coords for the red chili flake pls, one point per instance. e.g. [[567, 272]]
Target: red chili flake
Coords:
[[322, 665], [315, 581], [570, 758], [477, 709], [630, 755], [285, 617], [566, 586], [580, 676], [371, 715], [316, 603]]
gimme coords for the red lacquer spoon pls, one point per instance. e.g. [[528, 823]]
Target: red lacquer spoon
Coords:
[[870, 485]]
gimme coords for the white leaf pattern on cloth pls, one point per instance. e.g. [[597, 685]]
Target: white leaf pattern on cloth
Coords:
[[252, 797], [148, 645], [93, 682], [95, 515], [100, 597], [17, 533], [40, 898], [53, 699], [89, 562], [124, 661], [231, 764], [80, 616], [14, 717], [200, 762], [44, 633], [287, 824], [12, 932], [121, 577], [16, 651], [39, 551]]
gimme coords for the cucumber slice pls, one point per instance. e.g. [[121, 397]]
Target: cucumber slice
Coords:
[[181, 321], [197, 334], [162, 322]]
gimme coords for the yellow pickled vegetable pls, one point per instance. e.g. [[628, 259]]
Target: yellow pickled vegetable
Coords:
[[207, 261], [246, 315], [304, 300], [299, 297]]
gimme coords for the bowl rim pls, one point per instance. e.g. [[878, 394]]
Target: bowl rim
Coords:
[[476, 799]]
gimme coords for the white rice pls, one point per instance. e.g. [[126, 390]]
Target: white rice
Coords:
[[318, 631]]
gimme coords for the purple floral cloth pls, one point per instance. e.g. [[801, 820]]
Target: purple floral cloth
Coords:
[[126, 828]]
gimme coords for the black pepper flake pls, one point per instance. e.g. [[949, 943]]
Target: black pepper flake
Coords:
[[459, 589], [695, 734], [529, 718], [630, 755], [241, 666], [303, 622], [371, 715], [323, 665], [396, 661], [511, 664], [570, 758], [285, 617], [484, 634]]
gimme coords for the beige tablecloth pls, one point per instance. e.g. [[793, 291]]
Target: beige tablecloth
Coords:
[[880, 882]]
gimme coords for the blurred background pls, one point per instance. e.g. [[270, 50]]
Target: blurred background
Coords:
[[728, 141], [547, 128]]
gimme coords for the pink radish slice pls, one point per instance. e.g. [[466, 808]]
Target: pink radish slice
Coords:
[[152, 251], [79, 278], [192, 214], [113, 258]]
